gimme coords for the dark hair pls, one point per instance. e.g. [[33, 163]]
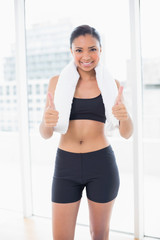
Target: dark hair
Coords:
[[82, 30]]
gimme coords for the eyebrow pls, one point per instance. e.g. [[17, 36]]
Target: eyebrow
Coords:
[[88, 47], [92, 47]]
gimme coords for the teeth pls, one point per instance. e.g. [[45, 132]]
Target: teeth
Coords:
[[86, 63]]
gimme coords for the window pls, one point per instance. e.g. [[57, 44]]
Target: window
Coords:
[[1, 91], [37, 89], [14, 90], [150, 35], [10, 183], [48, 41]]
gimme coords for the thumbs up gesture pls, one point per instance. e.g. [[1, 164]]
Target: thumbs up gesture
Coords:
[[119, 109], [51, 101], [51, 115]]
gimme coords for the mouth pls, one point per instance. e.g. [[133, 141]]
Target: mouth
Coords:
[[87, 64]]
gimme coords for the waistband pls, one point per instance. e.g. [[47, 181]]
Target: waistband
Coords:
[[108, 148]]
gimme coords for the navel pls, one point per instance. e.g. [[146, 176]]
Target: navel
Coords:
[[80, 141]]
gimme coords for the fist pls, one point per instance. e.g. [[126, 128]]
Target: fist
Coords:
[[51, 116], [119, 109]]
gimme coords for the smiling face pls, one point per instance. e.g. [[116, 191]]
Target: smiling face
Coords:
[[86, 52]]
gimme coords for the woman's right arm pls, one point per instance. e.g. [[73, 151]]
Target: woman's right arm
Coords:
[[50, 115]]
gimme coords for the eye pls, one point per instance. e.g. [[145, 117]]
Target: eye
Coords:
[[93, 49], [78, 50]]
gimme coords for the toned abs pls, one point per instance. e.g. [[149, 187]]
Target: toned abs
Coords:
[[83, 136]]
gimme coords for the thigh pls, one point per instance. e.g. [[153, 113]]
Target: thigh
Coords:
[[66, 190], [66, 185], [64, 220], [103, 179], [100, 216]]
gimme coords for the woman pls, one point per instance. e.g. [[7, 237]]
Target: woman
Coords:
[[84, 156]]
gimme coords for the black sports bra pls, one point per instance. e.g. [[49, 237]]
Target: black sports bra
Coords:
[[88, 108]]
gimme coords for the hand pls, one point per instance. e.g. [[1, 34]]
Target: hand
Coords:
[[119, 109], [50, 115]]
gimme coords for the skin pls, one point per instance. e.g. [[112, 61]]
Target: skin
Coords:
[[83, 135]]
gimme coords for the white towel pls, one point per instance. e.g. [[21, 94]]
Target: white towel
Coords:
[[65, 90]]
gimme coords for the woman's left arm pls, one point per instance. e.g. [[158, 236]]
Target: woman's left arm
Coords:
[[119, 110]]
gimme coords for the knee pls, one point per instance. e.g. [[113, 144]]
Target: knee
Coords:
[[62, 236], [100, 235]]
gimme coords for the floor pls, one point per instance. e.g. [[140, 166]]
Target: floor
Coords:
[[14, 226]]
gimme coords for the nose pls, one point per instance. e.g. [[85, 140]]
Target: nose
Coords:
[[86, 56]]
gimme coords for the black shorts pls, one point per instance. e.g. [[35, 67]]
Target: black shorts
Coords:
[[97, 171]]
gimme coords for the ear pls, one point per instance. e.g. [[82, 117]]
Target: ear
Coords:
[[100, 49], [71, 51]]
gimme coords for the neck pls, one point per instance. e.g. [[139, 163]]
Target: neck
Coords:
[[86, 75]]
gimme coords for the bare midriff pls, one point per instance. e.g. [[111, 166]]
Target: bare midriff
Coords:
[[84, 135]]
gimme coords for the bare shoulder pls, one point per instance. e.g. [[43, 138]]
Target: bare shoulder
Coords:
[[118, 83]]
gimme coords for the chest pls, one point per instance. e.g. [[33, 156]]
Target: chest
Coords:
[[86, 89], [88, 108]]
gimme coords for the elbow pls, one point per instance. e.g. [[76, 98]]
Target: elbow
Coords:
[[47, 137], [44, 134], [126, 132], [127, 135]]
